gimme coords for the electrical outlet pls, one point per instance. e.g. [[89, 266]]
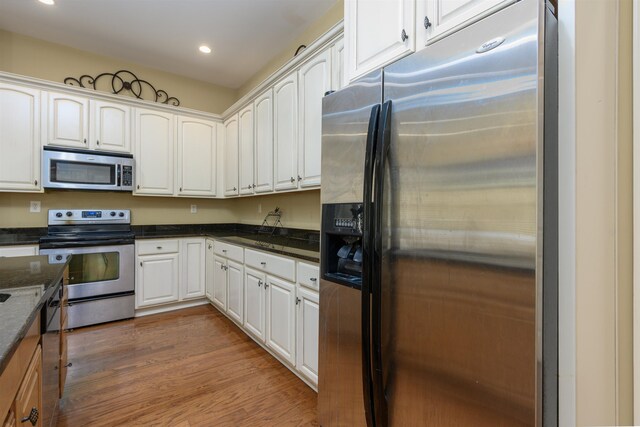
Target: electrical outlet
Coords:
[[34, 206], [259, 207], [194, 208]]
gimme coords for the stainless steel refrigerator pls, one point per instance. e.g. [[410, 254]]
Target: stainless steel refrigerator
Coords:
[[438, 292]]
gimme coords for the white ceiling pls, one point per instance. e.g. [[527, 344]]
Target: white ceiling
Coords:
[[165, 34]]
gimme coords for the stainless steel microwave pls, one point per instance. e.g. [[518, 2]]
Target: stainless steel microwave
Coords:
[[86, 170]]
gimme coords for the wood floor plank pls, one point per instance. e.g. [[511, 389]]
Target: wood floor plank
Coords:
[[187, 368]]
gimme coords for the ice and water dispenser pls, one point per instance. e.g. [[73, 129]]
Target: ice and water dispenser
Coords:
[[341, 250]]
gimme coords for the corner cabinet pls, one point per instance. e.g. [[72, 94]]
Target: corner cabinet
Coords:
[[285, 132], [231, 163], [263, 173], [197, 151], [314, 79], [154, 152], [371, 45], [19, 138], [192, 283]]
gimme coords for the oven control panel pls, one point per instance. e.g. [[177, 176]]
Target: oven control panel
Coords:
[[89, 216]]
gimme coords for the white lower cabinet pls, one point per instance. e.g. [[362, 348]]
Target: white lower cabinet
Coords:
[[208, 273], [281, 318], [157, 279], [220, 282], [21, 250], [235, 291], [169, 271], [192, 281], [307, 330], [254, 300]]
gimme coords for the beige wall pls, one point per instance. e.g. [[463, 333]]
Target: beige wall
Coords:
[[300, 210], [603, 286], [49, 61], [315, 30]]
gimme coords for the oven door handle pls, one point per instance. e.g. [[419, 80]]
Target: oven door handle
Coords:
[[86, 243]]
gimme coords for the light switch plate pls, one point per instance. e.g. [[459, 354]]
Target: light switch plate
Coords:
[[194, 208], [34, 206]]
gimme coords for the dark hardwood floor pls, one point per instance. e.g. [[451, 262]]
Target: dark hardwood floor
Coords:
[[191, 367]]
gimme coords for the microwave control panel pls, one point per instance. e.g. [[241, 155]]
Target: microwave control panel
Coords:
[[127, 176]]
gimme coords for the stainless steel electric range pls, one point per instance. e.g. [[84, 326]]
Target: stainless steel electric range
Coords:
[[101, 271]]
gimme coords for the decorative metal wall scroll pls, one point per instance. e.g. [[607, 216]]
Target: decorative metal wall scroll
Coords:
[[124, 80]]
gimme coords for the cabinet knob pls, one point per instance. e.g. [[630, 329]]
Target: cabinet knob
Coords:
[[427, 23], [266, 285], [210, 246], [138, 186], [235, 189], [299, 178], [313, 279], [180, 189], [68, 365], [224, 251], [259, 283], [254, 186], [32, 417], [97, 142], [293, 179], [158, 247], [35, 182], [404, 36], [140, 263], [263, 263], [297, 300], [85, 140]]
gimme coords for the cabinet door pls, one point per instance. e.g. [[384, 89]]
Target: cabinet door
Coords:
[[29, 395], [110, 127], [254, 302], [220, 282], [448, 16], [235, 290], [285, 132], [337, 65], [231, 164], [263, 106], [19, 138], [371, 45], [307, 333], [193, 268], [154, 154], [245, 136], [208, 270], [68, 123], [281, 318], [157, 279], [315, 79], [196, 157]]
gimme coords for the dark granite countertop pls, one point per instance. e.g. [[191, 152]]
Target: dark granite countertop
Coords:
[[21, 236], [29, 281], [293, 242], [296, 243]]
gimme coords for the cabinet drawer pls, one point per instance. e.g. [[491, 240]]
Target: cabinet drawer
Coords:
[[164, 246], [278, 266], [226, 250], [308, 275]]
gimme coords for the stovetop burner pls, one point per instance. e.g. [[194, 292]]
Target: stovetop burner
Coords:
[[87, 227]]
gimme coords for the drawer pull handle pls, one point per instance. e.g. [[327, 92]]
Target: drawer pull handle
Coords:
[[32, 417], [313, 279]]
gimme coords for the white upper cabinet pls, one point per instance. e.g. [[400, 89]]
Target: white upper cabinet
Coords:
[[196, 157], [68, 121], [314, 81], [377, 33], [231, 156], [285, 129], [110, 127], [444, 17], [19, 138], [263, 176], [337, 65], [246, 143], [154, 152]]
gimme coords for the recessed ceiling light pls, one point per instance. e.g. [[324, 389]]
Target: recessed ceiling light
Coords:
[[203, 48], [48, 2]]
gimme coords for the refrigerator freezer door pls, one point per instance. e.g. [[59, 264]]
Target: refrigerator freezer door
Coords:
[[461, 227], [345, 120]]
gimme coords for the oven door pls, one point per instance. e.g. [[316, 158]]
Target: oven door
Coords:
[[86, 171], [96, 270]]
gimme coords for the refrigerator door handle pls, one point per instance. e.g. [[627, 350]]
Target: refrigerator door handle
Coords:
[[382, 151], [367, 264]]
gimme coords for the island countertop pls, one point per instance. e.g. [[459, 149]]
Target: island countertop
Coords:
[[29, 281]]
